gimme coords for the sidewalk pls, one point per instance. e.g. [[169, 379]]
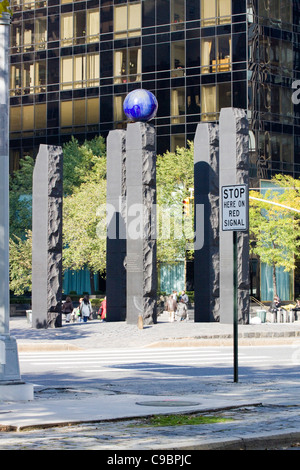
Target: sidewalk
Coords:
[[95, 334], [263, 413]]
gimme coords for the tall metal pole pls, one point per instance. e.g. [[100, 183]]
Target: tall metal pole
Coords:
[[4, 175], [11, 386], [235, 307]]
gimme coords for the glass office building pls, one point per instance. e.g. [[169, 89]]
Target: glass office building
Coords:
[[72, 64]]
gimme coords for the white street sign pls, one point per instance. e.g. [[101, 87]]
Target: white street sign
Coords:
[[235, 207]]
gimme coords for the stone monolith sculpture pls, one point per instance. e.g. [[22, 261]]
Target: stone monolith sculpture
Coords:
[[206, 194], [234, 169], [47, 237]]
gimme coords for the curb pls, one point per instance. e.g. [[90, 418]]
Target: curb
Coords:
[[262, 340], [34, 347], [223, 342], [259, 442]]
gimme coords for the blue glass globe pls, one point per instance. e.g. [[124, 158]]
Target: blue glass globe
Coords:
[[140, 105]]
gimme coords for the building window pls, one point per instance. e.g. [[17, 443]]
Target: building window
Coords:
[[16, 36], [177, 140], [28, 79], [93, 26], [79, 113], [177, 14], [79, 71], [276, 13], [34, 34], [66, 113], [40, 34], [178, 59], [213, 99], [15, 119], [215, 12], [119, 114], [127, 20], [92, 111], [216, 54], [127, 65], [80, 27], [276, 55], [28, 35], [276, 103], [177, 105], [28, 118]]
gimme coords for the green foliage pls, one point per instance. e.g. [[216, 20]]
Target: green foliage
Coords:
[[80, 160], [84, 189], [20, 198], [83, 247], [184, 420], [275, 230], [4, 7], [174, 178], [20, 263]]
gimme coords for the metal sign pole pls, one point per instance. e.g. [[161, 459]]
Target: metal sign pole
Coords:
[[235, 308], [235, 218]]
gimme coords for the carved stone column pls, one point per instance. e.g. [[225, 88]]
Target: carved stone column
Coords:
[[141, 223], [47, 237], [206, 194], [116, 226], [234, 169]]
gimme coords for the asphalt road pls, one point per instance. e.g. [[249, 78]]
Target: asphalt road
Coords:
[[134, 369]]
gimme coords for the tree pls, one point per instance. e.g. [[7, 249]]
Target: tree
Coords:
[[79, 161], [275, 230], [174, 178], [83, 215], [83, 166], [20, 263], [20, 198]]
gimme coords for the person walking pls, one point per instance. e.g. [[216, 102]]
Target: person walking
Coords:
[[67, 308], [181, 311], [184, 297], [171, 308], [85, 308], [102, 310]]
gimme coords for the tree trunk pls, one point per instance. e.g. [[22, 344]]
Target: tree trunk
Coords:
[[274, 280], [92, 283]]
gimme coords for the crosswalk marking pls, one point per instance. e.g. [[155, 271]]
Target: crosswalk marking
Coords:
[[116, 360]]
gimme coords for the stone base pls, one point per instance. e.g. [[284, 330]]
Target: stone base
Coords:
[[16, 392], [9, 360]]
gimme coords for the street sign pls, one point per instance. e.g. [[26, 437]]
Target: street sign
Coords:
[[235, 218], [235, 208]]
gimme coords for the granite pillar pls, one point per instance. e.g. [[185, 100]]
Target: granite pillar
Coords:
[[206, 194], [234, 169], [141, 223], [47, 237], [116, 227]]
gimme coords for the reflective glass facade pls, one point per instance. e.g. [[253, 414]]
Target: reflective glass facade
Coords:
[[72, 64]]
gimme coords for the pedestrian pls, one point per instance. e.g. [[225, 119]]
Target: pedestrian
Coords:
[[276, 304], [67, 308], [184, 297], [171, 308], [77, 311], [181, 311], [85, 308], [102, 310], [296, 309], [174, 295]]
